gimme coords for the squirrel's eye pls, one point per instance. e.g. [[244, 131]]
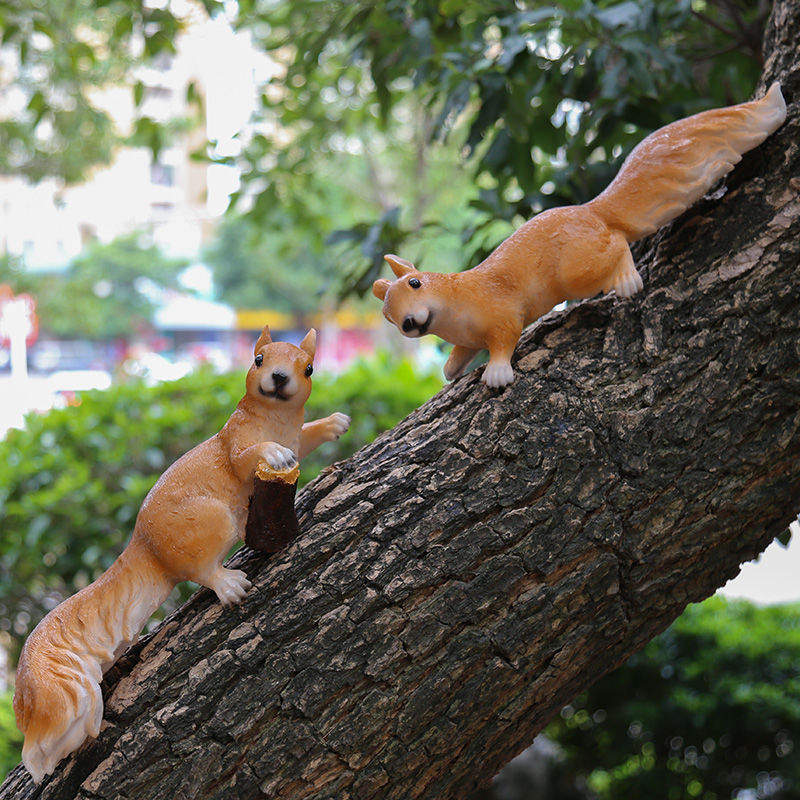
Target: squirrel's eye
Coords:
[[259, 360], [309, 370], [414, 283]]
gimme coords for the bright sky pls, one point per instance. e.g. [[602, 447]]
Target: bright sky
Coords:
[[772, 578], [232, 69]]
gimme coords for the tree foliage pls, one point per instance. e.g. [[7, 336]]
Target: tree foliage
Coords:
[[10, 737], [378, 107], [545, 100], [57, 54], [710, 709], [269, 265], [296, 241]]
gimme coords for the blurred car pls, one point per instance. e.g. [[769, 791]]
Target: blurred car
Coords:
[[61, 355], [153, 368], [70, 382]]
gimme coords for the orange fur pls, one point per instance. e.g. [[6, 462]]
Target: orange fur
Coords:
[[185, 527], [574, 252]]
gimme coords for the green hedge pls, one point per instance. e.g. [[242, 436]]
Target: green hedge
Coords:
[[710, 709], [72, 481], [10, 737]]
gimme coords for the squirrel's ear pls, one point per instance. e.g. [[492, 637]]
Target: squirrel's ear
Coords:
[[380, 287], [309, 343], [400, 266], [263, 340]]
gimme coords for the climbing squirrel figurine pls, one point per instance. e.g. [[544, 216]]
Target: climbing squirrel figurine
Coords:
[[574, 252], [187, 524]]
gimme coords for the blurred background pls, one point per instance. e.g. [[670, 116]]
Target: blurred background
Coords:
[[175, 174]]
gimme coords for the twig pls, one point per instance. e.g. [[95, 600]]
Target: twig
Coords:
[[714, 24]]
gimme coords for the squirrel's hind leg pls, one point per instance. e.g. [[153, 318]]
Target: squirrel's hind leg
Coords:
[[229, 585], [199, 536], [626, 279]]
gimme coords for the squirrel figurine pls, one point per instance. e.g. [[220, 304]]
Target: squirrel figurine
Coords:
[[574, 252], [187, 524]]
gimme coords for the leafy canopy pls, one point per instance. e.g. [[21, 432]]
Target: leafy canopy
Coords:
[[293, 256], [57, 54], [543, 100], [10, 737], [511, 108]]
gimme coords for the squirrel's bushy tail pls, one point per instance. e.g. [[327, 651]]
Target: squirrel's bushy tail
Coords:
[[675, 166], [57, 698]]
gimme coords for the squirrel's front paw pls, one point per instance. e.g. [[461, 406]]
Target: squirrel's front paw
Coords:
[[337, 424], [278, 456], [497, 374]]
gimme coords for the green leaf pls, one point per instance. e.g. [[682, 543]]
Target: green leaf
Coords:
[[621, 14], [123, 26]]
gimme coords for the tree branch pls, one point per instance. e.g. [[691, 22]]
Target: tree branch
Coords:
[[460, 579], [716, 25]]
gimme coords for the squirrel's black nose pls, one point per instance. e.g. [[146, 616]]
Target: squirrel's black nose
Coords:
[[279, 378], [409, 323]]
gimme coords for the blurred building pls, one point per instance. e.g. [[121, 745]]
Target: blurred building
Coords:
[[174, 197]]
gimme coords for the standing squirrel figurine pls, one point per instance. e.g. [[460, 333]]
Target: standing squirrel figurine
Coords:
[[187, 524], [574, 252]]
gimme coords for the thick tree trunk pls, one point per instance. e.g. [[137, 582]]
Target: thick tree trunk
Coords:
[[459, 580]]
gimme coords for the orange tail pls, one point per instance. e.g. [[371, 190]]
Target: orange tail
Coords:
[[57, 700], [677, 164]]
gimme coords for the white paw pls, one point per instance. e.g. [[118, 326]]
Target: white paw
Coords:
[[629, 284], [497, 374], [230, 585], [338, 424], [278, 456]]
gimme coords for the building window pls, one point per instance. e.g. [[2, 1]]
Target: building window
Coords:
[[162, 61], [158, 93], [87, 232], [162, 174]]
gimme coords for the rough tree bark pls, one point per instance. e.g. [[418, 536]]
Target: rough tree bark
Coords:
[[463, 577]]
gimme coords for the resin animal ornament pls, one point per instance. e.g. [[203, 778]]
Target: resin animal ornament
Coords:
[[574, 252], [185, 527]]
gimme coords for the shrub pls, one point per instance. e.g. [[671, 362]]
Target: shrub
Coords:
[[709, 709], [10, 737]]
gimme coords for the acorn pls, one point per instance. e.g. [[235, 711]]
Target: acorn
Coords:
[[271, 518]]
